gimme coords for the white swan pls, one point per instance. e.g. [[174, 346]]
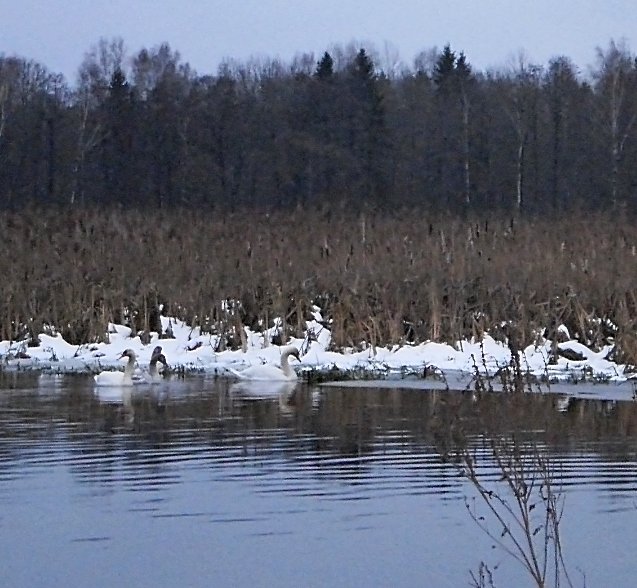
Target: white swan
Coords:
[[124, 378], [269, 372]]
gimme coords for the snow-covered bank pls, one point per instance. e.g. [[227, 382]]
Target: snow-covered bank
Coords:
[[191, 351]]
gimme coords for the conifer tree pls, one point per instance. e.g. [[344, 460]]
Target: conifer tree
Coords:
[[325, 67]]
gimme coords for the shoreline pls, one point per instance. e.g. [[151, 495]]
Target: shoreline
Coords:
[[190, 352]]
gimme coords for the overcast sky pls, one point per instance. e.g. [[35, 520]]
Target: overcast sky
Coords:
[[57, 33]]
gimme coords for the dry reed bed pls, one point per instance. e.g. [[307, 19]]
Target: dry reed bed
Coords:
[[380, 279]]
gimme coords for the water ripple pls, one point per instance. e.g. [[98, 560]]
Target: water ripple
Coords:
[[353, 464]]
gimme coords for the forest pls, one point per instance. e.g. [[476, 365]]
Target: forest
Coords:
[[348, 127]]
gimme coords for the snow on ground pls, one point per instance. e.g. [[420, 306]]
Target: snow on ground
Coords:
[[193, 352]]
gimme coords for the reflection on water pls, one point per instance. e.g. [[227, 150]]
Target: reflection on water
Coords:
[[200, 482]]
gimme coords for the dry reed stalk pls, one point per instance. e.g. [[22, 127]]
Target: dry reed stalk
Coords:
[[442, 279]]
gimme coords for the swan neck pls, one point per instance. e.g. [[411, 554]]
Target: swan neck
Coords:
[[130, 366], [285, 365], [286, 368]]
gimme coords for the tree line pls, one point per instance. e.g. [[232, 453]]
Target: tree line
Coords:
[[148, 131]]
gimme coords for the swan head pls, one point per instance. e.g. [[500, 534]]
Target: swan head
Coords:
[[161, 358], [292, 351], [158, 356], [128, 353]]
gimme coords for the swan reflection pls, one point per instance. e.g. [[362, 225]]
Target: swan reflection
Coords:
[[262, 389]]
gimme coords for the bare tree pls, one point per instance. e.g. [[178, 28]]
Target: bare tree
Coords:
[[616, 83], [8, 73], [520, 104], [94, 75]]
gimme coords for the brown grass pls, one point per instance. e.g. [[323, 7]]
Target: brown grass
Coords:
[[384, 280]]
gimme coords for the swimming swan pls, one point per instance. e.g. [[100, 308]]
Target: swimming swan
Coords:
[[153, 372], [124, 378], [269, 372]]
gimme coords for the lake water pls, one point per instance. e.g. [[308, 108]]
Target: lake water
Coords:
[[199, 483]]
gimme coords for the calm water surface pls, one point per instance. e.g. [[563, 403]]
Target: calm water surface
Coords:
[[199, 483]]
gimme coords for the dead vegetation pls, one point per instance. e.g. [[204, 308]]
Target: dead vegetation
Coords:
[[382, 279]]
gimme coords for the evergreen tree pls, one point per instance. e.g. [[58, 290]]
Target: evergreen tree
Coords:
[[325, 67], [118, 146], [367, 132], [453, 78], [445, 67]]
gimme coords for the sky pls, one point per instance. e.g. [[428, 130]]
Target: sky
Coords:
[[57, 33]]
